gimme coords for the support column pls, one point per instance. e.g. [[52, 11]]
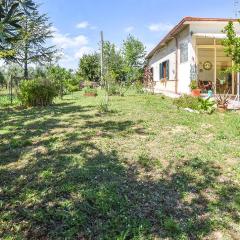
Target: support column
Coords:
[[233, 80], [215, 67]]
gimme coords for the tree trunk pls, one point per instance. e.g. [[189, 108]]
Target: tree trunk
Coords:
[[25, 70], [26, 54]]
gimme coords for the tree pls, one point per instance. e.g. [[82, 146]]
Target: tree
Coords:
[[134, 58], [113, 62], [89, 67], [2, 79], [31, 46], [232, 45], [11, 12], [60, 77]]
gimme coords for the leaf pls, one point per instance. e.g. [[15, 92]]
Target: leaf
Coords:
[[11, 12]]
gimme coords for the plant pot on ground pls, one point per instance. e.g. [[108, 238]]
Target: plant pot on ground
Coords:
[[196, 92], [90, 92], [222, 101]]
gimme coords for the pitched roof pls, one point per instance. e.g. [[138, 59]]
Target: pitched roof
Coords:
[[181, 25]]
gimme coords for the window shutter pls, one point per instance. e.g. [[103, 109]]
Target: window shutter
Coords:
[[167, 70]]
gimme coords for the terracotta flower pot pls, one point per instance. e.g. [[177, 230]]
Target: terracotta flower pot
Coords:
[[90, 94], [222, 108], [196, 92]]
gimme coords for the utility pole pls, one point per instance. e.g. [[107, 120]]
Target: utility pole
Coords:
[[102, 61]]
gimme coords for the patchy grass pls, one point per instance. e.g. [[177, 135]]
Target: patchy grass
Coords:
[[145, 170]]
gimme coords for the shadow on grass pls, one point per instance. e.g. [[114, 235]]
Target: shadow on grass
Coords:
[[79, 191]]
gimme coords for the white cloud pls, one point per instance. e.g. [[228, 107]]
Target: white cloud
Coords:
[[84, 24], [129, 29], [72, 48], [82, 51], [160, 27], [65, 41]]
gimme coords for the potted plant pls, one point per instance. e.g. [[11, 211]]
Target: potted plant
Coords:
[[222, 101], [196, 92], [90, 92]]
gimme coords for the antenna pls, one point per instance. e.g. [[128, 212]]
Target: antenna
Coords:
[[236, 9]]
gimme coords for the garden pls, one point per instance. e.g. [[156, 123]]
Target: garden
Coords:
[[70, 172]]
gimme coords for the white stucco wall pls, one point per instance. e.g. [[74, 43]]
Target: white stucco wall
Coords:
[[166, 53], [184, 68]]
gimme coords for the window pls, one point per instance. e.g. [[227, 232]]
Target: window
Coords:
[[164, 70], [183, 52]]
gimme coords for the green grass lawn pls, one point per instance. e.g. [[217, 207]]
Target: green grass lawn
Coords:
[[146, 170]]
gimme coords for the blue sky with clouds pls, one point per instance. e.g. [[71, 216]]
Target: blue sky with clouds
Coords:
[[77, 23]]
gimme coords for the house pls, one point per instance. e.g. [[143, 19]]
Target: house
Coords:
[[192, 50]]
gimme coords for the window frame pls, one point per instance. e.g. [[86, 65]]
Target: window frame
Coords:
[[164, 68]]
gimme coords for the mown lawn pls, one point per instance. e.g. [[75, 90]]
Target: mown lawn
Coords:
[[144, 171]]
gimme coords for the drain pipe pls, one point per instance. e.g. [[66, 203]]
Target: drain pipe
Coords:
[[177, 56]]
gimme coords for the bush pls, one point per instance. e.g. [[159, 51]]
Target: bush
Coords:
[[103, 107], [114, 90], [139, 87], [187, 101], [195, 103], [90, 91], [37, 92]]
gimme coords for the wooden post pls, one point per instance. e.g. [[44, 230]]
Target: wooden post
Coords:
[[102, 45], [233, 80], [215, 66]]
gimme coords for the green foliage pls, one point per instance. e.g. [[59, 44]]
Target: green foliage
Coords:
[[37, 93], [114, 90], [2, 79], [63, 80], [89, 68], [193, 85], [32, 46], [89, 90], [139, 87], [134, 58], [187, 101], [103, 107], [195, 103], [232, 43], [114, 63], [11, 13], [5, 101], [207, 105]]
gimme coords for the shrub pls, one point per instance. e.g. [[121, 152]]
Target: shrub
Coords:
[[90, 91], [139, 87], [103, 107], [37, 92], [193, 85], [207, 105], [187, 101], [114, 90], [195, 103]]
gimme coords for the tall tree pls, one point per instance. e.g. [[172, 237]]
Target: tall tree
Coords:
[[113, 61], [134, 58], [232, 44], [11, 12], [32, 45], [89, 67]]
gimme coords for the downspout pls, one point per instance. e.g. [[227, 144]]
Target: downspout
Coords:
[[176, 75]]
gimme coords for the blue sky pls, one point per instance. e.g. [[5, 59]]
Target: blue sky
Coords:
[[77, 23]]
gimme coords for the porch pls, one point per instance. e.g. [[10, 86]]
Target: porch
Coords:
[[211, 62]]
